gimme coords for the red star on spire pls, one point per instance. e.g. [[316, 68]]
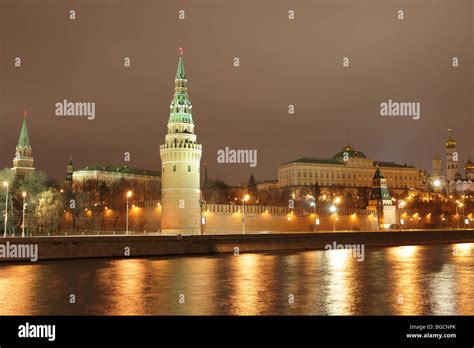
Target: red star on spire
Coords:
[[24, 114], [180, 51]]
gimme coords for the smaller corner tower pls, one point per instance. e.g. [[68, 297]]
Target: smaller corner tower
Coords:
[[23, 160], [381, 201]]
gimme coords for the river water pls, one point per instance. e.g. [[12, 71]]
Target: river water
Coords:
[[409, 280]]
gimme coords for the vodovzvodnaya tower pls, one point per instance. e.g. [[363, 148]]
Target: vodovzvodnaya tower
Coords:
[[180, 159]]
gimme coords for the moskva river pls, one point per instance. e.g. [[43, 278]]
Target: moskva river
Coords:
[[409, 280]]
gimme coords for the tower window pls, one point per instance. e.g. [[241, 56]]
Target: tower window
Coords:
[[174, 168], [189, 168]]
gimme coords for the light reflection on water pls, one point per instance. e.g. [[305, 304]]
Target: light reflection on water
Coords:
[[407, 280]]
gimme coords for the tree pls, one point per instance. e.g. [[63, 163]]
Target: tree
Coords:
[[252, 188], [49, 208]]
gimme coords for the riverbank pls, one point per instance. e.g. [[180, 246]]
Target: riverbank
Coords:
[[77, 247]]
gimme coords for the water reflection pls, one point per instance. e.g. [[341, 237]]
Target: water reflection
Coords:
[[16, 293], [338, 282], [406, 297], [409, 280]]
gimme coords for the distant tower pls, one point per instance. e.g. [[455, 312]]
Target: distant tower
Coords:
[[69, 172], [23, 160], [437, 167], [381, 201], [451, 158], [180, 157]]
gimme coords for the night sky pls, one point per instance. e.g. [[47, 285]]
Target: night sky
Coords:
[[282, 62]]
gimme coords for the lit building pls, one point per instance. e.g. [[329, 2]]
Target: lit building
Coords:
[[437, 179], [469, 169], [452, 181], [110, 174], [348, 168], [23, 160], [180, 158]]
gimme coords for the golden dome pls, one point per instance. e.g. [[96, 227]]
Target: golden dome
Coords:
[[450, 142], [469, 166]]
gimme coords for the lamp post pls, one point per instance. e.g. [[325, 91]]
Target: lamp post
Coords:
[[24, 211], [245, 199], [333, 210], [129, 194], [5, 184], [460, 205], [313, 204]]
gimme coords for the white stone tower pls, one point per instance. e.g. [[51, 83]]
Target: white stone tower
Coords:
[[437, 167], [451, 158], [180, 158]]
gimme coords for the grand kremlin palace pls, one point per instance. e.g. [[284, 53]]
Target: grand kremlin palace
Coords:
[[348, 168]]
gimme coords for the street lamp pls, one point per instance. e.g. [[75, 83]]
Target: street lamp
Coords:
[[5, 184], [313, 204], [245, 199], [129, 194], [460, 205], [24, 211], [333, 210]]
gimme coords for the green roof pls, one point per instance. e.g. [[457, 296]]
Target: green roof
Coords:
[[123, 169], [24, 140], [180, 74], [348, 151], [316, 160], [180, 109], [391, 164], [378, 174]]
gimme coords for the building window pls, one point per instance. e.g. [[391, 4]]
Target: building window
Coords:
[[189, 168], [174, 168]]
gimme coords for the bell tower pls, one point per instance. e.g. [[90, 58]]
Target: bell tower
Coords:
[[451, 158], [180, 162]]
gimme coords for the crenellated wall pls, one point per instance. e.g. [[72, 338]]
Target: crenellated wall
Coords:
[[220, 218]]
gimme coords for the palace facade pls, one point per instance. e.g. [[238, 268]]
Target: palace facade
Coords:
[[347, 168]]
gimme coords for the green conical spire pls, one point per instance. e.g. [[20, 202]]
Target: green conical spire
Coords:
[[180, 108], [24, 140], [180, 74]]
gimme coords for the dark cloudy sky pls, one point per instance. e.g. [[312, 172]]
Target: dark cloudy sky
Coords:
[[282, 62]]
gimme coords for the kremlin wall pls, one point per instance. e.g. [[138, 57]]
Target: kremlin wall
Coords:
[[220, 218]]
